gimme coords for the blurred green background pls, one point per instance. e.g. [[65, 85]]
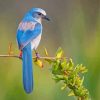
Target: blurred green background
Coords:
[[75, 26]]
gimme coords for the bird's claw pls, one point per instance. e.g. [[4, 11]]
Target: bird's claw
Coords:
[[20, 55], [37, 54]]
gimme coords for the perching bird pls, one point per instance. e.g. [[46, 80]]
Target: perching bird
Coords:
[[28, 37]]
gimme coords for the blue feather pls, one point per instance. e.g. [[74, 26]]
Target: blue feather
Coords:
[[27, 68]]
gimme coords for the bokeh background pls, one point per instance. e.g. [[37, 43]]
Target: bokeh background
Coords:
[[75, 27]]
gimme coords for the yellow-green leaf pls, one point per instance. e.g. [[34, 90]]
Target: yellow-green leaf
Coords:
[[59, 53], [63, 87], [48, 60], [71, 93], [45, 50], [82, 81], [71, 64], [10, 52], [39, 63]]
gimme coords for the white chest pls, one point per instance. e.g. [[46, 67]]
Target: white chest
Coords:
[[35, 42]]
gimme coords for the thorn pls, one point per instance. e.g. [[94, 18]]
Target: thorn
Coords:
[[10, 52], [45, 50]]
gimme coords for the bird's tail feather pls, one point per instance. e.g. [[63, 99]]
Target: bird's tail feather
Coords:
[[27, 69]]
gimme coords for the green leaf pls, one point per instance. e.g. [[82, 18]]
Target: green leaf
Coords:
[[83, 69], [64, 64], [60, 76], [71, 93], [59, 53], [63, 87], [56, 79], [82, 81], [46, 53], [71, 64], [48, 60], [39, 63]]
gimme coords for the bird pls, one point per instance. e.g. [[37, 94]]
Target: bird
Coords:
[[28, 37]]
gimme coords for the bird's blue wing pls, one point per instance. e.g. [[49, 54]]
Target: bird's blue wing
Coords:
[[27, 31]]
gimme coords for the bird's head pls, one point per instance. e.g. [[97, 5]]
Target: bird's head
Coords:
[[39, 14]]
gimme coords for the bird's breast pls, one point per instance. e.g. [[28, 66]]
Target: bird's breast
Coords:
[[35, 42]]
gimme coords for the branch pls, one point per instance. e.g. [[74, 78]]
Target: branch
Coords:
[[14, 56], [17, 56]]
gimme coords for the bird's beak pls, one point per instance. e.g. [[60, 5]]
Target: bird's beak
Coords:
[[46, 18]]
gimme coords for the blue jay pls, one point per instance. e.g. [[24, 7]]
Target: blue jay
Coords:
[[28, 37]]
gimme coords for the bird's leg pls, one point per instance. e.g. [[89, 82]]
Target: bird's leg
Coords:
[[20, 54], [37, 54]]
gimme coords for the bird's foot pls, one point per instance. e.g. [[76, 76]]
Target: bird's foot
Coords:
[[20, 55], [37, 54]]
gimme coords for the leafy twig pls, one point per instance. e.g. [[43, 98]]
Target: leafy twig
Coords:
[[63, 70], [71, 76]]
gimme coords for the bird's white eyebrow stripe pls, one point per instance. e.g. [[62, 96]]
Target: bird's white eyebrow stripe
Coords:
[[27, 26]]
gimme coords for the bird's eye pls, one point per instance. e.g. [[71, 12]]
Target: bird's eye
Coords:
[[39, 14]]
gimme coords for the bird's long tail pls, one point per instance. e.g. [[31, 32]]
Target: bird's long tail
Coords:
[[27, 68]]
